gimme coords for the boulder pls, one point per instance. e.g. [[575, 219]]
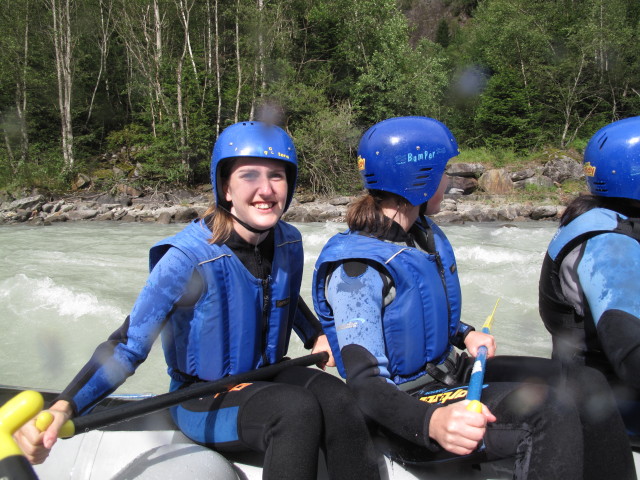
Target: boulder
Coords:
[[81, 181], [522, 174], [544, 211], [164, 218], [496, 182], [474, 170], [28, 203], [538, 180], [462, 185], [563, 168], [82, 214], [128, 190], [507, 212], [185, 214], [340, 201]]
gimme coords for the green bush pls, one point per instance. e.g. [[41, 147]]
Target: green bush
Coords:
[[495, 157], [326, 144]]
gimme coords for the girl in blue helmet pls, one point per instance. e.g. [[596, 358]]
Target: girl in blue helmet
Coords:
[[388, 296], [224, 296], [589, 282]]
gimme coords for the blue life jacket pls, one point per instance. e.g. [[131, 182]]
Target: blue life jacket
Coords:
[[594, 222], [575, 335], [425, 313], [239, 323]]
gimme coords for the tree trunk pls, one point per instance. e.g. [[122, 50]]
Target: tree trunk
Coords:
[[63, 45], [258, 65], [141, 29], [105, 35], [157, 54], [21, 94], [218, 75], [238, 63]]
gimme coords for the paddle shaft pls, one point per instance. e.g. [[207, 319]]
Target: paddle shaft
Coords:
[[139, 408], [474, 392], [477, 376]]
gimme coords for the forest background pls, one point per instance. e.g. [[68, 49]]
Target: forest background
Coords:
[[136, 91]]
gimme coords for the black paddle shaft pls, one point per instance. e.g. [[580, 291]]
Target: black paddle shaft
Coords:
[[139, 408]]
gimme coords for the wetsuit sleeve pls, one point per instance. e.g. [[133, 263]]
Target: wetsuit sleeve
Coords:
[[609, 275], [306, 325], [355, 292], [117, 358], [458, 339]]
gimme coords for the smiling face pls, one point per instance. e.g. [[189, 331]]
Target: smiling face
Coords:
[[257, 191]]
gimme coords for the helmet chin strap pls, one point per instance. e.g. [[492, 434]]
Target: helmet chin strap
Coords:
[[244, 224]]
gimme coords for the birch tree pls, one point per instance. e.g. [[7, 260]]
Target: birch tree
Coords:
[[105, 31], [63, 44], [184, 14], [141, 26], [238, 62]]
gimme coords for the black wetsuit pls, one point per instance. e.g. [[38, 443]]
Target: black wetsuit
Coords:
[[279, 417], [544, 423]]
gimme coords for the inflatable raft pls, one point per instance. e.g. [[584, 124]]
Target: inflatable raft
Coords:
[[151, 447]]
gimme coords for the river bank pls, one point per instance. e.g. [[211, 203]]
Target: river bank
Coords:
[[183, 206], [475, 194]]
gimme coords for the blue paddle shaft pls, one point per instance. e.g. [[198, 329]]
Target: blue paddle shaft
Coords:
[[477, 375]]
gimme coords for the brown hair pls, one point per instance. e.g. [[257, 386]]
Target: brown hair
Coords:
[[365, 213], [219, 222], [585, 202], [217, 218]]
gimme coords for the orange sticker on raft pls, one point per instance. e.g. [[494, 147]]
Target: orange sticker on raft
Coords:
[[589, 170], [361, 162]]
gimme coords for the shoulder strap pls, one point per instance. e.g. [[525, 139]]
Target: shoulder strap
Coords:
[[629, 227], [626, 226]]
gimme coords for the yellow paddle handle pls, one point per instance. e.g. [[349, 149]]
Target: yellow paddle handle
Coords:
[[46, 417], [475, 406], [13, 414]]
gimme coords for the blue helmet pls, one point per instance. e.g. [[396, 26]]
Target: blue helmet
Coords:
[[612, 160], [256, 140], [406, 156]]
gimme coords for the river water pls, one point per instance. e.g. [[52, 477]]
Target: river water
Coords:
[[64, 288]]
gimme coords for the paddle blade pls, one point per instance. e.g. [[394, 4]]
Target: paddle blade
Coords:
[[486, 328]]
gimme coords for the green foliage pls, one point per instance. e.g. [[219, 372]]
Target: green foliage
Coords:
[[496, 157], [156, 158], [574, 187], [326, 144], [443, 37], [46, 173], [507, 76], [533, 188], [131, 138], [505, 116], [402, 80]]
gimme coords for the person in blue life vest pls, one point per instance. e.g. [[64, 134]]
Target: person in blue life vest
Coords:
[[223, 294], [388, 296], [590, 280]]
